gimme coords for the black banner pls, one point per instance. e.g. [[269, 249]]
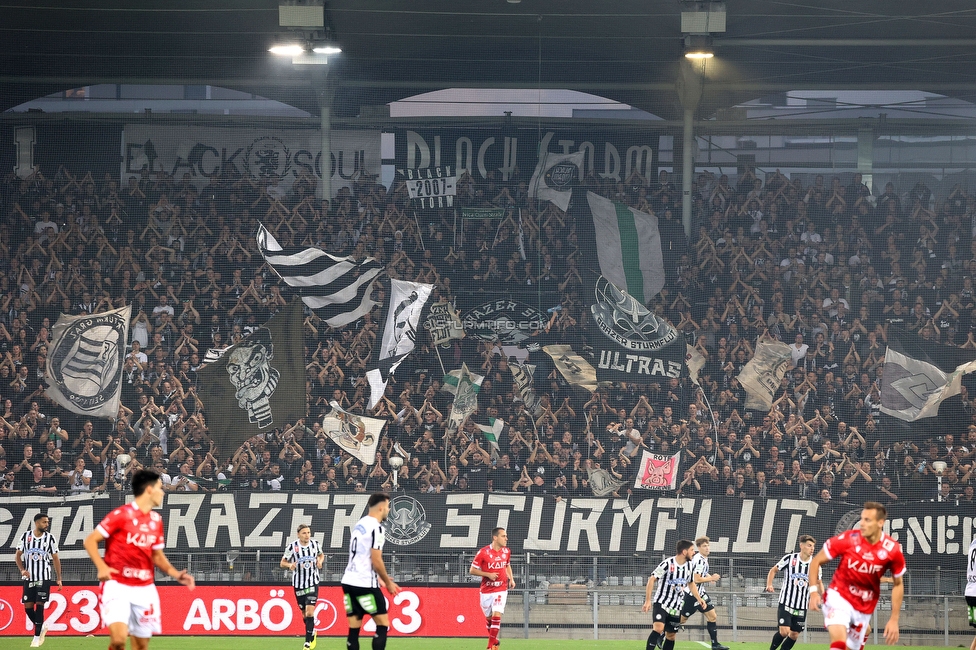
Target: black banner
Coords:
[[450, 523], [611, 154]]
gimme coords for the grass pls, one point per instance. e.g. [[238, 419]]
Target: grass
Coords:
[[336, 643]]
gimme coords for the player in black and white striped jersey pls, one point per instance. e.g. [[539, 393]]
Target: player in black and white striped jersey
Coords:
[[36, 556], [666, 589], [701, 576], [794, 595], [303, 557]]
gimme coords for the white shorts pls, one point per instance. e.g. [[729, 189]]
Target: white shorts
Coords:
[[837, 611], [493, 602], [135, 606]]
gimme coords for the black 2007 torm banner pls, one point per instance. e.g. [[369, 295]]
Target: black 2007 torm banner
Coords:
[[448, 523]]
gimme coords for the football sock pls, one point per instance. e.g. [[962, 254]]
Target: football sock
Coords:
[[352, 639], [777, 639], [838, 645], [668, 644], [379, 639], [788, 643], [712, 631], [309, 628], [496, 624], [32, 616], [652, 640]]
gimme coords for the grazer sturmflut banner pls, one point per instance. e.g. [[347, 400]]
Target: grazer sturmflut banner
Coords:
[[258, 154], [937, 535]]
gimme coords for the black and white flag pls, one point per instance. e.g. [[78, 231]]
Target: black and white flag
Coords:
[[398, 336], [337, 289], [919, 375], [356, 434], [523, 376], [555, 176], [84, 368]]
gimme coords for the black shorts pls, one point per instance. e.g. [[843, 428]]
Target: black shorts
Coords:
[[671, 619], [691, 606], [361, 601], [36, 591], [795, 619], [971, 605], [306, 597]]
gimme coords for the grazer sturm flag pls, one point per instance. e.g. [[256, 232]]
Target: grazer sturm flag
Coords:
[[919, 375], [492, 432], [84, 366], [574, 368], [555, 176], [523, 376], [465, 396], [657, 471], [337, 289], [257, 385], [762, 375], [397, 337], [443, 323], [355, 434]]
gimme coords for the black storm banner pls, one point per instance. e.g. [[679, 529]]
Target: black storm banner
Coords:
[[447, 523]]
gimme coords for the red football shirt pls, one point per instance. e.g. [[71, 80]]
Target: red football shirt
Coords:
[[492, 561], [858, 578], [131, 536]]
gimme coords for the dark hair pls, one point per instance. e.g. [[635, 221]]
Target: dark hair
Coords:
[[807, 538], [142, 479], [495, 531], [878, 508], [377, 498], [683, 545], [39, 516], [303, 527]]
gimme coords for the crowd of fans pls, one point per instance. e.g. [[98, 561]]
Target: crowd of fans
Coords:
[[825, 268]]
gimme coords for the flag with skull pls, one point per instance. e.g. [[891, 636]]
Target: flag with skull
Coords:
[[258, 384]]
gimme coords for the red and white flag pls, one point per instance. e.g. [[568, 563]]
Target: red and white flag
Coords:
[[657, 471]]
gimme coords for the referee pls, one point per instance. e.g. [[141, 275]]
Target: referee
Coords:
[[794, 595], [37, 551], [666, 589], [303, 557]]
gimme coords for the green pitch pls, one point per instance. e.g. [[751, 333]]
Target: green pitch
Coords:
[[333, 643]]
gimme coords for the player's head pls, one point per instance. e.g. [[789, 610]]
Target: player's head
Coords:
[[304, 533], [872, 518], [379, 505], [807, 544], [147, 482], [41, 522], [499, 536], [703, 544], [685, 548]]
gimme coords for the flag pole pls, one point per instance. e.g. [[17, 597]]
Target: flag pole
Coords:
[[438, 351], [419, 229]]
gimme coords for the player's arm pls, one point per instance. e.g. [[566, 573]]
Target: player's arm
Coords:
[[475, 570], [647, 593], [56, 560], [162, 563], [91, 545], [18, 558], [897, 595], [379, 567], [286, 562], [693, 585], [816, 584], [769, 578], [511, 577], [319, 560]]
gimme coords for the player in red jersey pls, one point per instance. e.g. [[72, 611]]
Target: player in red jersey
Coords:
[[134, 539], [865, 555], [493, 564]]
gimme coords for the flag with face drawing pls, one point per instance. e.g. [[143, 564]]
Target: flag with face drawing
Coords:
[[657, 471], [355, 434]]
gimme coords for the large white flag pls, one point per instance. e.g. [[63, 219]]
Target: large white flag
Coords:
[[356, 434], [555, 176], [401, 325], [764, 372], [84, 367], [628, 245]]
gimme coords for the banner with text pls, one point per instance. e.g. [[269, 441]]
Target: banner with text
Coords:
[[201, 151], [451, 523]]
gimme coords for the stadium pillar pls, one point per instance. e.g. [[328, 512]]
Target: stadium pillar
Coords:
[[865, 156], [689, 90], [326, 94]]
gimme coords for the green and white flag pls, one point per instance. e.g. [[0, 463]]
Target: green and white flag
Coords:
[[465, 396], [451, 380], [492, 431], [628, 245]]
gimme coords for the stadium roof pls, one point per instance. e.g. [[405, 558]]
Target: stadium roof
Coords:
[[627, 50]]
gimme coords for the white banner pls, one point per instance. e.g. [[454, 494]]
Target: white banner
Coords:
[[201, 151]]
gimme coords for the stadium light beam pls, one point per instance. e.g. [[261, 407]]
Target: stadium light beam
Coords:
[[287, 49], [327, 49]]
